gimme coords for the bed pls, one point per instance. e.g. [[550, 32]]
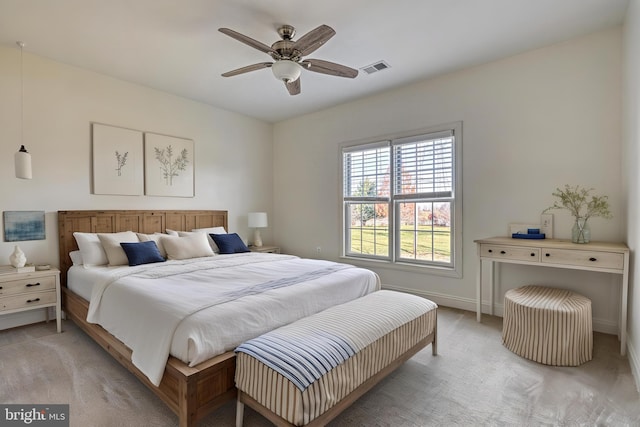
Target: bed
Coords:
[[191, 386]]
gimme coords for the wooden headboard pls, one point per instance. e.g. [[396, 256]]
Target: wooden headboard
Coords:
[[112, 221]]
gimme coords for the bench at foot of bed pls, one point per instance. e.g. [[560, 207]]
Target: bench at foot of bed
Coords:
[[309, 371]]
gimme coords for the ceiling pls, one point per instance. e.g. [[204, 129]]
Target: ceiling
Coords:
[[175, 46]]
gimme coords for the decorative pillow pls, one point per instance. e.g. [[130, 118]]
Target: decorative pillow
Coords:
[[211, 230], [191, 246], [90, 249], [76, 257], [111, 245], [156, 237], [184, 233], [230, 243], [142, 252]]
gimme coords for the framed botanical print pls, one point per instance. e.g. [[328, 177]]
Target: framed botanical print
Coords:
[[169, 166], [117, 160]]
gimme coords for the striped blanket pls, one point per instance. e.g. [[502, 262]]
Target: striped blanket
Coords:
[[309, 348]]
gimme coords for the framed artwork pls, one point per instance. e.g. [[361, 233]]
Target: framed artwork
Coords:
[[117, 160], [169, 166], [23, 225]]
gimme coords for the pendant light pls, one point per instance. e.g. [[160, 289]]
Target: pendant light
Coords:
[[22, 157]]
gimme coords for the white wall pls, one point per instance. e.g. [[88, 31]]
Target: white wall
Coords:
[[233, 165], [631, 150], [531, 123]]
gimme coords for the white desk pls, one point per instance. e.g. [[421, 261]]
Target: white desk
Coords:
[[593, 256]]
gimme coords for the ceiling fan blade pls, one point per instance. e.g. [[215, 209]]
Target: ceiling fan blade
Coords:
[[331, 68], [293, 87], [248, 68], [247, 40], [314, 39]]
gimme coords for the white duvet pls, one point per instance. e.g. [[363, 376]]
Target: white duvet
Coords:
[[198, 308]]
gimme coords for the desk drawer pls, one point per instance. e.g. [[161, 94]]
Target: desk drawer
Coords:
[[33, 284], [28, 300], [510, 252], [583, 258]]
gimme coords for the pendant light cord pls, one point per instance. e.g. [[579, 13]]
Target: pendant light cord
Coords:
[[21, 44]]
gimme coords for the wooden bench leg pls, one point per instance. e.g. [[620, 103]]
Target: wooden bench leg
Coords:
[[239, 411]]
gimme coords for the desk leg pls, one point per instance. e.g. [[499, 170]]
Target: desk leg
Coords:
[[479, 291], [492, 269]]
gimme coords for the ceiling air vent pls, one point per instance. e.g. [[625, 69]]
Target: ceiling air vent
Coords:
[[374, 68]]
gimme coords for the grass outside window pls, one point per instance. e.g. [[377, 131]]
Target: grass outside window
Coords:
[[434, 243]]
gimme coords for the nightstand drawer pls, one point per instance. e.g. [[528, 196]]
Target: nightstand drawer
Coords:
[[32, 299], [583, 258], [30, 284], [510, 252]]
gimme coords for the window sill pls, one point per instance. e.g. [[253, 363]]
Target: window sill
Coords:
[[399, 266]]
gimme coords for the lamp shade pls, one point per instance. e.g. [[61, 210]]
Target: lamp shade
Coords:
[[286, 70], [257, 219], [23, 164]]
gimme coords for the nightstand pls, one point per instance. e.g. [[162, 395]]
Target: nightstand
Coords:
[[266, 249], [29, 291]]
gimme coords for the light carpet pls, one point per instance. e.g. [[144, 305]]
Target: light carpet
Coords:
[[474, 381]]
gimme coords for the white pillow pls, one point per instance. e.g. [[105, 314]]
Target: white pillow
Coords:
[[91, 249], [194, 245], [171, 232], [156, 237], [211, 230], [111, 245], [76, 257]]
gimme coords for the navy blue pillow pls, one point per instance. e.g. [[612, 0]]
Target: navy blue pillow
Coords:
[[142, 252], [229, 243]]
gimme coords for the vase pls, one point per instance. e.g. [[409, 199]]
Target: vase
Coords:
[[580, 233], [17, 258]]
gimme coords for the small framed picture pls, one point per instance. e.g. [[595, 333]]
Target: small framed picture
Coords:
[[23, 225]]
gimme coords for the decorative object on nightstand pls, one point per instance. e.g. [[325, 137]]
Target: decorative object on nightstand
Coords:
[[257, 220], [582, 206], [22, 157], [17, 258]]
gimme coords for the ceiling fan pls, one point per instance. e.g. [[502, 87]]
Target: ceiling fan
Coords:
[[288, 53]]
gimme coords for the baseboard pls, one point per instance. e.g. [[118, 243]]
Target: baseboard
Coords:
[[440, 299], [14, 320], [468, 304], [632, 355]]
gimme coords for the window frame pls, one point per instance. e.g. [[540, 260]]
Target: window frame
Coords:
[[394, 259]]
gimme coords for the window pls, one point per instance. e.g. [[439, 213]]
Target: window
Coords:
[[402, 198]]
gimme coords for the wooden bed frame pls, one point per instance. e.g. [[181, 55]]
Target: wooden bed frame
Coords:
[[190, 392]]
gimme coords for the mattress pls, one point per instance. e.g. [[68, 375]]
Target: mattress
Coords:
[[198, 308], [82, 280]]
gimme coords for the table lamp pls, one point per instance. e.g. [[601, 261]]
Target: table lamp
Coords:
[[257, 220]]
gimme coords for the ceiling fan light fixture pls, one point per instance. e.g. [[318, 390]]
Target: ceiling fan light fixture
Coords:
[[286, 70], [288, 54]]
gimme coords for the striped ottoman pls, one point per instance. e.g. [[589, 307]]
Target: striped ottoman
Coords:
[[547, 325], [307, 372]]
